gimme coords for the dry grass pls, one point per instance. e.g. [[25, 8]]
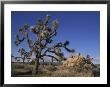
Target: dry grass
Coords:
[[72, 72], [54, 71]]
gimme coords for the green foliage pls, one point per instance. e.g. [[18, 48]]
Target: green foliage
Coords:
[[43, 34], [40, 24], [20, 29], [17, 42], [17, 36], [32, 29], [47, 17], [26, 26], [55, 24]]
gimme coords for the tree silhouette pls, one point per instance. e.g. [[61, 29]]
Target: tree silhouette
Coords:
[[43, 37]]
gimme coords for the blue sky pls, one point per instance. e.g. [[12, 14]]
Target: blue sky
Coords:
[[81, 28]]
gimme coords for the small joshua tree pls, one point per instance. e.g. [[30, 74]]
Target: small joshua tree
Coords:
[[43, 37], [25, 55]]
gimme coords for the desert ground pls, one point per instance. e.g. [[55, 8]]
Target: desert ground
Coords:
[[19, 69]]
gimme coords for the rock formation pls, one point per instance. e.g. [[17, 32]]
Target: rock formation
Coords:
[[77, 60]]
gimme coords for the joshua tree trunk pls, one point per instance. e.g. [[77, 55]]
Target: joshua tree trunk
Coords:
[[37, 65], [35, 68]]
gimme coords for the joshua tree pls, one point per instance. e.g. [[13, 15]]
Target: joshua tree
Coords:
[[25, 55], [43, 37]]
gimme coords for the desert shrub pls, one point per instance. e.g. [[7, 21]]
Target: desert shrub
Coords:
[[96, 72], [51, 68]]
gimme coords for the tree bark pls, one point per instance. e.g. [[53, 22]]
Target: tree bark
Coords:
[[36, 66], [38, 55]]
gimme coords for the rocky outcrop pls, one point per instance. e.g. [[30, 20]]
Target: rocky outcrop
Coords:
[[77, 60]]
